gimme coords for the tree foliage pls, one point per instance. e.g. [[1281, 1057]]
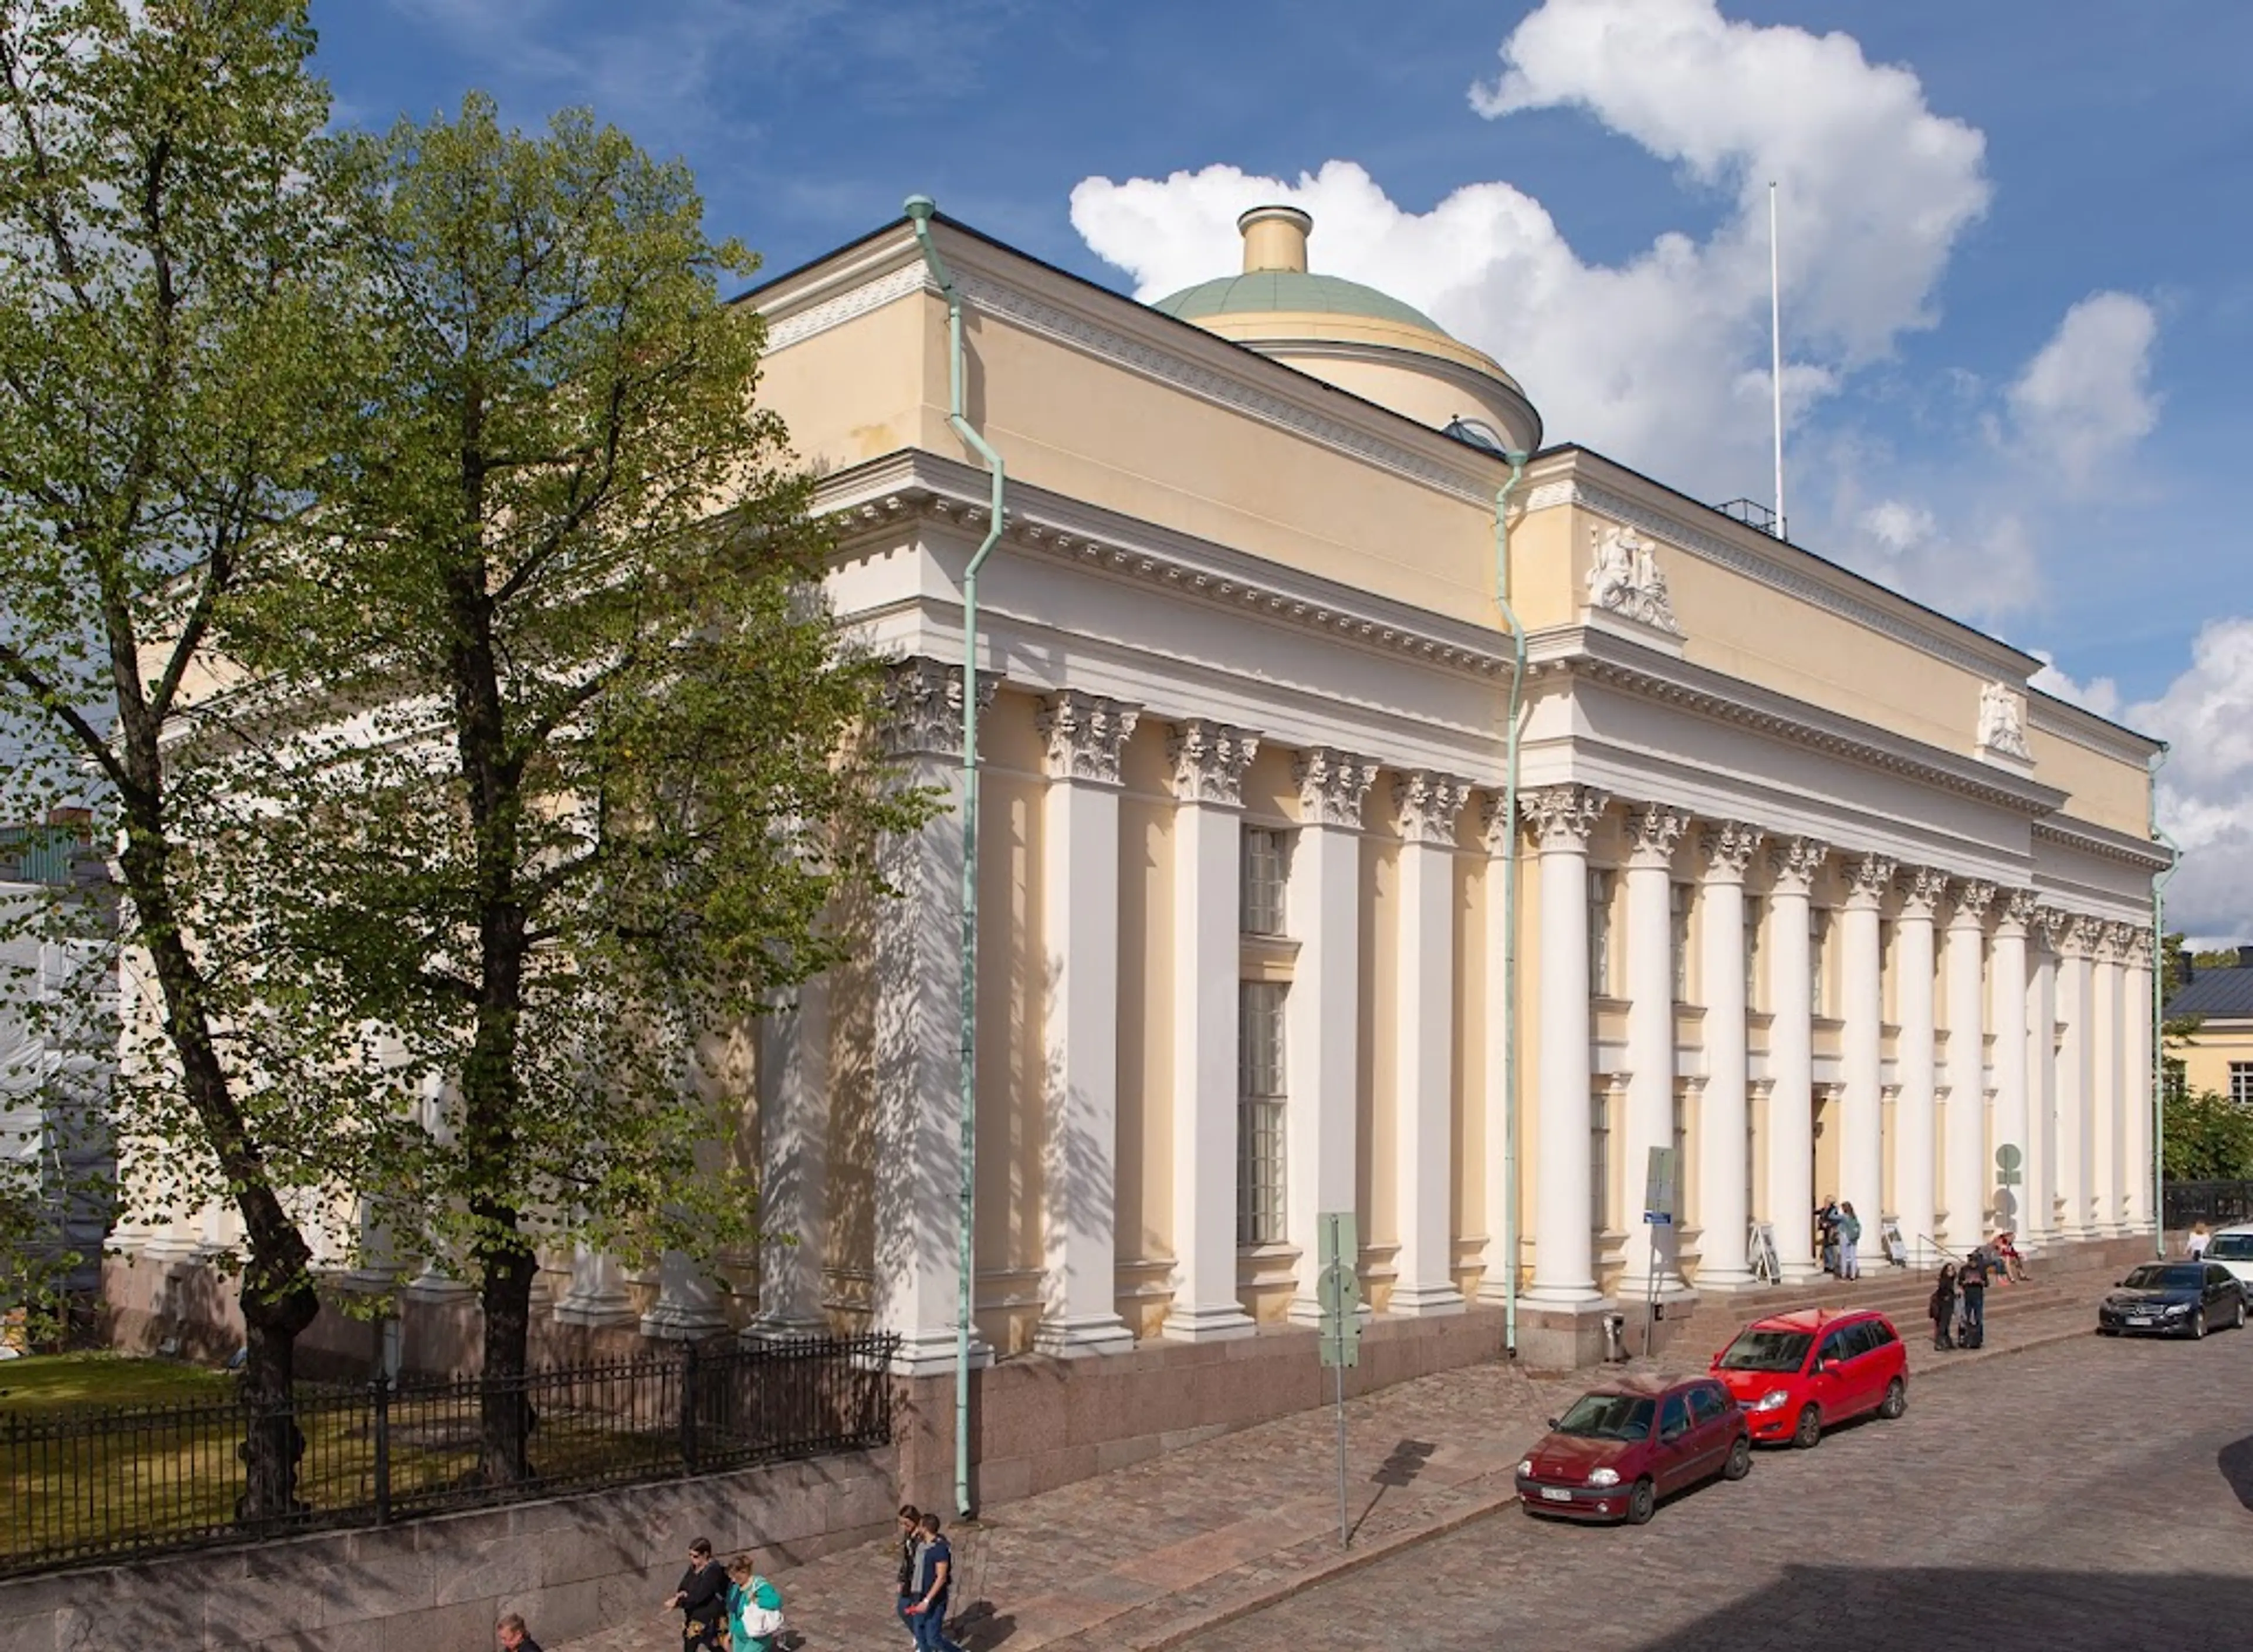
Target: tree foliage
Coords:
[[562, 764], [170, 355], [2209, 1138]]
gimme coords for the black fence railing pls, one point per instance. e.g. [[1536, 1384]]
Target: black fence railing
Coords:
[[123, 1482], [2219, 1204]]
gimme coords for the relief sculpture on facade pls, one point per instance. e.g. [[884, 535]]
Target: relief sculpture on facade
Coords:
[[1623, 579], [2003, 722]]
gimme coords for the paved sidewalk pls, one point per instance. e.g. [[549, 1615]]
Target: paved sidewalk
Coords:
[[1146, 1557]]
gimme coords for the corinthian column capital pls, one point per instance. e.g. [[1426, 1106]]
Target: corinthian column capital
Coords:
[[1331, 785], [1563, 817], [1728, 848], [1427, 804], [1086, 734], [1209, 761], [1654, 829]]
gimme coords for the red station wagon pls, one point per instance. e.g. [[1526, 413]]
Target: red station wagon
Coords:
[[1797, 1373], [1624, 1445]]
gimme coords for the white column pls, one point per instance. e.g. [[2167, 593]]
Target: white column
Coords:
[[918, 1055], [1963, 1157], [2104, 1169], [1791, 1060], [1079, 924], [1917, 1152], [1653, 831], [1321, 1018], [1209, 761], [2040, 1219], [1424, 1021], [794, 1164], [598, 1293], [2074, 1076], [2136, 1007], [1862, 1010], [1564, 1247], [2013, 1114], [1725, 1119]]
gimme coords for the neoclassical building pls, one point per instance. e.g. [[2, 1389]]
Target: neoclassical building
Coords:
[[1810, 885]]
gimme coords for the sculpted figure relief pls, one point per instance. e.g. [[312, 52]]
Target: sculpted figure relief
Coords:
[[1623, 578], [2002, 722]]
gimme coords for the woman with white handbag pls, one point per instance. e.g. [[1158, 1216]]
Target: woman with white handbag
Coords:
[[754, 1609]]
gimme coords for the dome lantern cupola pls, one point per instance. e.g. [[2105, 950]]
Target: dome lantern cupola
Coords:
[[1350, 335]]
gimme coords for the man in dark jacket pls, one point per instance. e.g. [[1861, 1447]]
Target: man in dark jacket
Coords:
[[702, 1598], [513, 1637], [1972, 1282]]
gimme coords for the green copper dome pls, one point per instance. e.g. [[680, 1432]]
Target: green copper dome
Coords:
[[1290, 291]]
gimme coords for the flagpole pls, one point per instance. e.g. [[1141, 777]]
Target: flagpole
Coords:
[[1776, 348]]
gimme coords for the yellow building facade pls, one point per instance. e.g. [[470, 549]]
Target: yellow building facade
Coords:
[[1811, 886]]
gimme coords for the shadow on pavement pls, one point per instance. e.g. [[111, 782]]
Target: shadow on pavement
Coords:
[[2236, 1461], [1990, 1608]]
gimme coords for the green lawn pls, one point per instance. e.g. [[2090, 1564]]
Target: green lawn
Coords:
[[48, 1382]]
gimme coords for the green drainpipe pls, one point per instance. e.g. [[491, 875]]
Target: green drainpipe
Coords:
[[919, 209], [1509, 866], [2160, 880]]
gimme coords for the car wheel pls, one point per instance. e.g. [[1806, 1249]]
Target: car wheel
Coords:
[[1897, 1400], [2238, 1315], [2197, 1323], [1740, 1460], [1641, 1503], [1808, 1431]]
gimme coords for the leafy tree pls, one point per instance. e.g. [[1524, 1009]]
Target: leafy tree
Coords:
[[564, 759], [2210, 1138], [168, 353]]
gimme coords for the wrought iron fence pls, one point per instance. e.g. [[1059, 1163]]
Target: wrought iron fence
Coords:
[[123, 1482], [2219, 1204]]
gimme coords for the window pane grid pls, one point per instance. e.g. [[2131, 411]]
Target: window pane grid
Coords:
[[1260, 1081], [2241, 1083], [1264, 874]]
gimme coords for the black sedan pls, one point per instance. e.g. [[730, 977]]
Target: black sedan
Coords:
[[2172, 1298]]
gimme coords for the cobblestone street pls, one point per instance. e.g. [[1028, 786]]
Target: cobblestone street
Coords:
[[2039, 1456], [2082, 1496]]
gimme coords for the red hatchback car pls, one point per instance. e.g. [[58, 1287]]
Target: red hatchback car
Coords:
[[1797, 1373], [1624, 1445]]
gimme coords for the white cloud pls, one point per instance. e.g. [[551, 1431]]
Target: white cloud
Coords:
[[2206, 786], [2086, 396], [1661, 360], [2099, 694]]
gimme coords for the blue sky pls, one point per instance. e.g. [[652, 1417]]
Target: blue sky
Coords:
[[2019, 307]]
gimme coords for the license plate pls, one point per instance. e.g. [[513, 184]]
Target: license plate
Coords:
[[2138, 1319], [1555, 1496]]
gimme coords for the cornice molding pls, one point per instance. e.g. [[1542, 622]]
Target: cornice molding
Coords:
[[796, 326], [1758, 709], [1775, 571], [2091, 839], [2084, 727], [921, 487]]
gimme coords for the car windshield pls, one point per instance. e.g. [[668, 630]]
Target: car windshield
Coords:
[[1608, 1416], [1767, 1351], [2230, 1247], [2181, 1277]]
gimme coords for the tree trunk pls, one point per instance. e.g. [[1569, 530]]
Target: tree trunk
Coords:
[[507, 1415], [277, 1297]]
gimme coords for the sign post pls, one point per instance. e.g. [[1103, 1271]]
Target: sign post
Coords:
[[1339, 1292], [1657, 1212], [2007, 1175]]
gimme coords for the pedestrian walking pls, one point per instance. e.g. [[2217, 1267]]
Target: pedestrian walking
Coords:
[[513, 1637], [1850, 1241], [1971, 1280], [934, 1587], [2195, 1244], [911, 1546], [702, 1598], [754, 1609], [1941, 1307]]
